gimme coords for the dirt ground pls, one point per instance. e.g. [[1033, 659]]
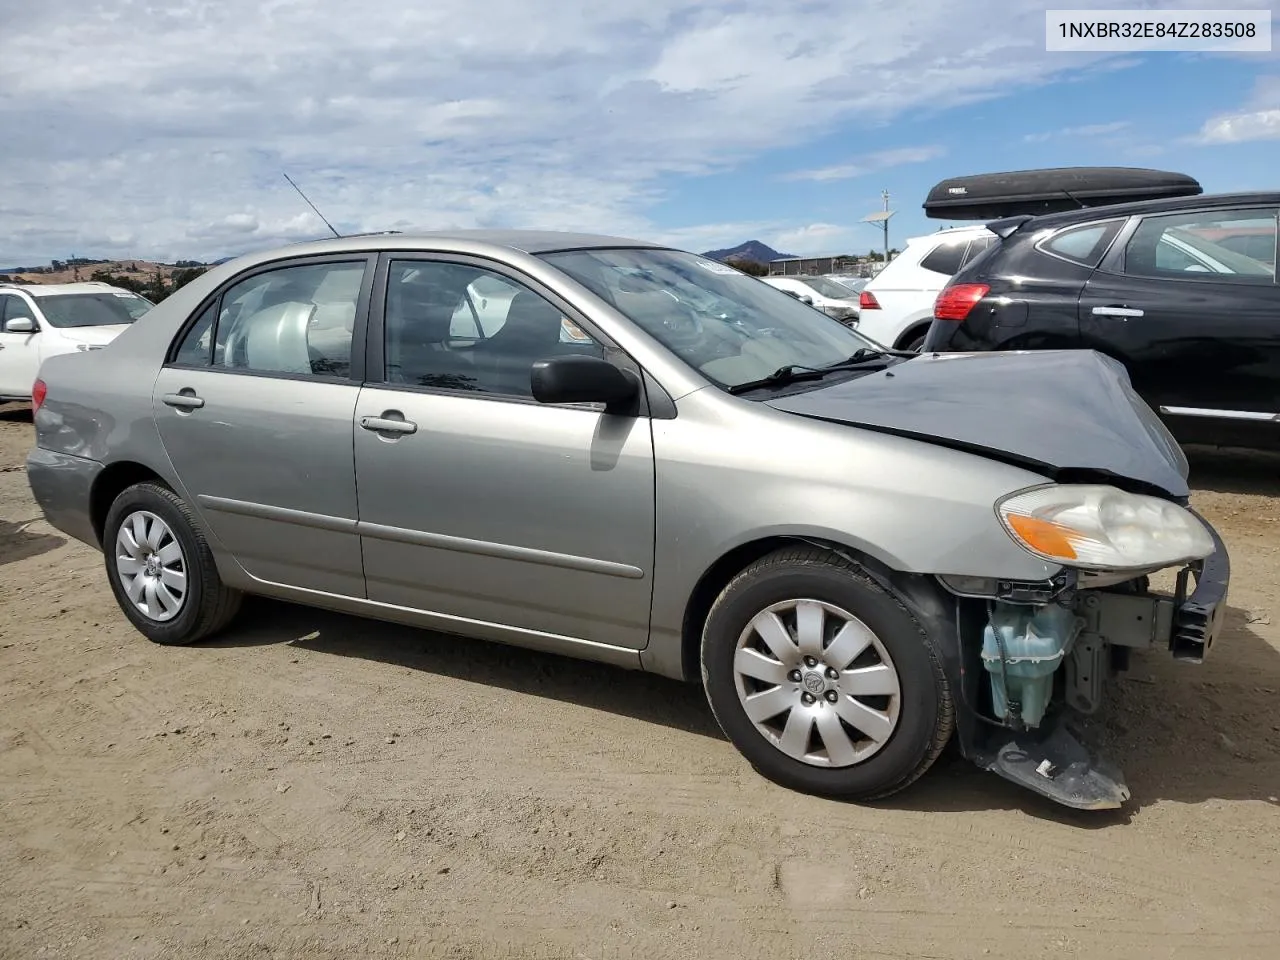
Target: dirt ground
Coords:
[[313, 785]]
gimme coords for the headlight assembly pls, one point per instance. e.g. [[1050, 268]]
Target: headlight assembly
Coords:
[[1096, 527]]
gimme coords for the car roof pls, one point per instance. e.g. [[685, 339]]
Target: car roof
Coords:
[[526, 241], [1205, 201], [945, 232], [62, 289]]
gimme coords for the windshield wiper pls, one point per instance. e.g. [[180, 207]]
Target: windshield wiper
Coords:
[[791, 373], [866, 355]]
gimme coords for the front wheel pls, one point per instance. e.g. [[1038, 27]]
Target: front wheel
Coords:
[[161, 570], [822, 679]]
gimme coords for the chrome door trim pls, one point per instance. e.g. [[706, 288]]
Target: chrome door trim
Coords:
[[1223, 414], [577, 647]]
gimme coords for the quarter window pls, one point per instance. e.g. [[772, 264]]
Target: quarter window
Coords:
[[1205, 245], [945, 258], [456, 327], [294, 320], [1084, 244]]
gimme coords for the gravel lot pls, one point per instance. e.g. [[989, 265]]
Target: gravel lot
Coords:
[[312, 785]]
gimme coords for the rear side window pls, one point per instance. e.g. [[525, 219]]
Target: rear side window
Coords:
[[1199, 246], [946, 257], [1084, 244]]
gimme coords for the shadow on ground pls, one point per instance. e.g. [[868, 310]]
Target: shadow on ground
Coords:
[[18, 543], [1180, 732]]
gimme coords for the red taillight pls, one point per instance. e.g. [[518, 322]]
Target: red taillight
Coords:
[[867, 301], [38, 392], [954, 303]]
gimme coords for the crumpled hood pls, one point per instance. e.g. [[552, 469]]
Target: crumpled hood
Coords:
[[1051, 410], [97, 336]]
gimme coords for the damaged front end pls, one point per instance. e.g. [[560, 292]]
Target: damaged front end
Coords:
[[1030, 655]]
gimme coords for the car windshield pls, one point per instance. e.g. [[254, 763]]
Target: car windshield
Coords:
[[729, 326], [93, 309], [828, 288]]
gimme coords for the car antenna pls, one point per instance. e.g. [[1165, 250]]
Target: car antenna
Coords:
[[1072, 198], [310, 204]]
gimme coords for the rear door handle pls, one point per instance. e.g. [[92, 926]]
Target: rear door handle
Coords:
[[385, 424], [1116, 312], [183, 401]]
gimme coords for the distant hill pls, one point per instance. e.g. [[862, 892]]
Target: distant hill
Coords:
[[751, 250], [69, 272]]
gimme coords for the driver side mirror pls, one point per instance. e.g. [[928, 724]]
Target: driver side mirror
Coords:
[[580, 378], [20, 325]]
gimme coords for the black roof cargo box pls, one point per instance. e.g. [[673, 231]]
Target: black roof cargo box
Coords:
[[991, 196]]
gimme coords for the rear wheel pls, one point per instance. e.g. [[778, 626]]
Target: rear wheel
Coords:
[[161, 569], [914, 342], [822, 679]]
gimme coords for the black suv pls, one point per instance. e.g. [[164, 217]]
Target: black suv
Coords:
[[1181, 291]]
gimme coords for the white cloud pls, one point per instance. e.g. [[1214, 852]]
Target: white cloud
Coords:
[[870, 163], [1076, 133], [160, 130], [1241, 127], [1259, 119]]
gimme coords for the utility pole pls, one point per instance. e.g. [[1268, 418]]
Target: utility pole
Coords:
[[884, 194], [882, 218]]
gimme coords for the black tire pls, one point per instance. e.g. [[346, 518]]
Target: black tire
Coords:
[[208, 605], [926, 715]]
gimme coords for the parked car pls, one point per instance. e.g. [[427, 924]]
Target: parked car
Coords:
[[859, 555], [38, 321], [853, 283], [826, 295], [1156, 286], [896, 306]]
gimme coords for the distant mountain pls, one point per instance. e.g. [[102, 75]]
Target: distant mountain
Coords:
[[751, 250]]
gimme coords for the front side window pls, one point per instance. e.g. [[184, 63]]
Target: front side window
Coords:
[[93, 309], [730, 327], [1187, 246], [293, 320], [13, 307], [452, 326]]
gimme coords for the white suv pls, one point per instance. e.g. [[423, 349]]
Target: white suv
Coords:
[[896, 307], [38, 321]]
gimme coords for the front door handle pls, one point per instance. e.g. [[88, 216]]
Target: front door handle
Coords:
[[187, 400], [389, 424], [1125, 312]]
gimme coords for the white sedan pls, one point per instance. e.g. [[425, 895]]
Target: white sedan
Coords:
[[38, 321]]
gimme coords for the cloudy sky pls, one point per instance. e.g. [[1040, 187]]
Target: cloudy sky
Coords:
[[159, 128]]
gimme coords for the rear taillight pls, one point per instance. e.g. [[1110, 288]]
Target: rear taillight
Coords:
[[867, 301], [38, 392], [954, 303]]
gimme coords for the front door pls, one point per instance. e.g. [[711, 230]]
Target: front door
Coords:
[[19, 350], [504, 517], [255, 410], [1196, 323]]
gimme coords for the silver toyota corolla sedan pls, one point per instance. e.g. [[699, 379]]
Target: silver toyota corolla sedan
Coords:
[[628, 453]]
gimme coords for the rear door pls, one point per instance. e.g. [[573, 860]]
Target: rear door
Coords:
[[256, 408], [1196, 323]]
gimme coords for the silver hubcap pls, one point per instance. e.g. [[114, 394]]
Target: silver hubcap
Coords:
[[151, 565], [817, 683]]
